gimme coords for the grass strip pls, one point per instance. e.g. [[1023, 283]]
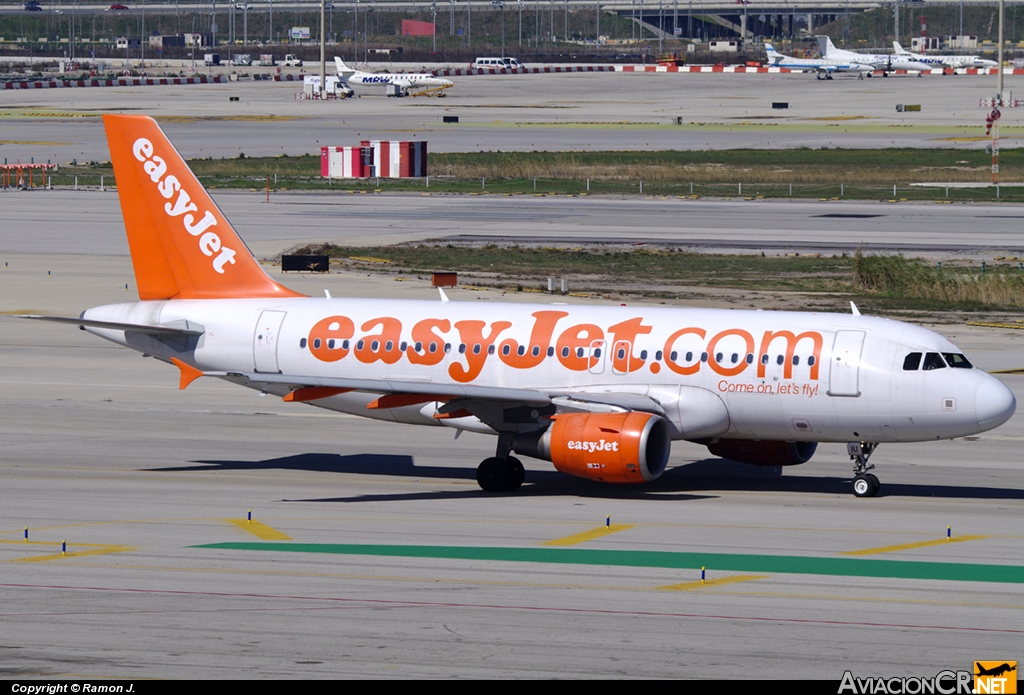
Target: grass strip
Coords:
[[778, 564]]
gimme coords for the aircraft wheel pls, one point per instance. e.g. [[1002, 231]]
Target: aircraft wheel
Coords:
[[864, 487], [516, 473], [875, 484], [490, 475]]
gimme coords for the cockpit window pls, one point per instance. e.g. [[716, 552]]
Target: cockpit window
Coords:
[[912, 362], [957, 361], [933, 360]]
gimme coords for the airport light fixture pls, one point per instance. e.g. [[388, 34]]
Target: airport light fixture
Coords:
[[433, 28], [323, 49]]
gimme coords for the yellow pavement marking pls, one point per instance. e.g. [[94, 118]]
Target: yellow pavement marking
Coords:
[[910, 546], [260, 530], [589, 535], [713, 582], [95, 549]]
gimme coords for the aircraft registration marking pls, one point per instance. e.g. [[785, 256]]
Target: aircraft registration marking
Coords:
[[593, 534], [259, 529], [911, 546]]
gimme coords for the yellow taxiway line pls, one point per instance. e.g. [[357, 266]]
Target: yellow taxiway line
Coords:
[[712, 582], [94, 549], [259, 529], [911, 546], [593, 534]]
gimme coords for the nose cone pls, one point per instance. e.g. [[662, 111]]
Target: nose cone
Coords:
[[994, 404]]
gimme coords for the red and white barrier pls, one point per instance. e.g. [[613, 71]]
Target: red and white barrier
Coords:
[[117, 82]]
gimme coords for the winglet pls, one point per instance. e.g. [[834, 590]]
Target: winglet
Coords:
[[188, 373], [182, 245]]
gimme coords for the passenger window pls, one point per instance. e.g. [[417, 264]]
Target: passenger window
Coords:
[[536, 350], [932, 360], [912, 362], [957, 361], [302, 343]]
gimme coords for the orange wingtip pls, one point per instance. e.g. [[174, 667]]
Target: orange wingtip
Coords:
[[188, 373], [398, 400], [313, 393], [182, 245]]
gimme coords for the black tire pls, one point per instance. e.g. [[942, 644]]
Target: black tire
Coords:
[[876, 485], [862, 486], [516, 473], [491, 475]]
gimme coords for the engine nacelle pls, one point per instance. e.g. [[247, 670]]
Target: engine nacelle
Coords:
[[761, 452], [628, 447]]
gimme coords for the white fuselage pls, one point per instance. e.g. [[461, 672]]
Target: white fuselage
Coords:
[[717, 373], [405, 81]]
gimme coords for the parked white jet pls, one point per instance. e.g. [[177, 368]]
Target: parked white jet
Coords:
[[822, 66], [404, 81], [600, 391], [948, 61], [886, 62]]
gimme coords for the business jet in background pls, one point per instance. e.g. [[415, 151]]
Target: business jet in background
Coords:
[[945, 61], [600, 391], [405, 82], [824, 68], [885, 62]]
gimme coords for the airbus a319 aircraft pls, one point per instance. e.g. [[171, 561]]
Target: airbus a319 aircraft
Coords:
[[405, 81], [600, 391]]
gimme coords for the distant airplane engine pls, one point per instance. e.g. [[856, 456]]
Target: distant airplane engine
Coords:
[[628, 447], [763, 452]]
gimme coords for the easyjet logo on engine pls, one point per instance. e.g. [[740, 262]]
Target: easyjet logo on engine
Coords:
[[591, 447], [469, 344], [182, 206]]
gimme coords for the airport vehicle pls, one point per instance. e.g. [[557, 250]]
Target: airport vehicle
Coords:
[[400, 84], [211, 59], [292, 61], [823, 67], [119, 7], [600, 391], [505, 63], [243, 6], [242, 59], [885, 62], [32, 6], [947, 61]]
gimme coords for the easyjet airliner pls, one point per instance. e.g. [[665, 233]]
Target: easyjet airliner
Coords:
[[600, 391]]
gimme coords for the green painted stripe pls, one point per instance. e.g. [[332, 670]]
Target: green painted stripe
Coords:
[[780, 564]]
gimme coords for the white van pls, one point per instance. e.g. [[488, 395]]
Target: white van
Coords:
[[506, 63]]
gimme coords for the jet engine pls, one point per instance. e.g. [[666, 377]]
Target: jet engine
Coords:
[[630, 447], [763, 452]]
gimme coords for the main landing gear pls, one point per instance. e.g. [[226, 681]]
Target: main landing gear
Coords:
[[501, 472], [864, 484]]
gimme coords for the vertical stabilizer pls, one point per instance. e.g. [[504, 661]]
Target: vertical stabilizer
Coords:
[[182, 246]]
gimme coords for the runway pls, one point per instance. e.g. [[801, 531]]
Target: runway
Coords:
[[973, 230], [372, 553], [568, 112]]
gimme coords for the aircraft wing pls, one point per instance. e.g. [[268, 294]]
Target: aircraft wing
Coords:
[[487, 403]]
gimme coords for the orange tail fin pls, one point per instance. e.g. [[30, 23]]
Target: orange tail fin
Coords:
[[182, 246]]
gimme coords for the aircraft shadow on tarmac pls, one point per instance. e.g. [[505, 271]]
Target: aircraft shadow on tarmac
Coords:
[[690, 481]]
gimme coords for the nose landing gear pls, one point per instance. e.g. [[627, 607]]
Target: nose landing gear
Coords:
[[864, 484]]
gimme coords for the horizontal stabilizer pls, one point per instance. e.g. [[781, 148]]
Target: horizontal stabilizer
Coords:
[[185, 329]]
